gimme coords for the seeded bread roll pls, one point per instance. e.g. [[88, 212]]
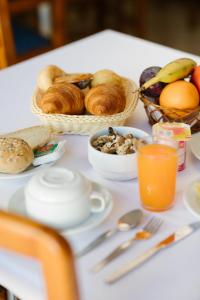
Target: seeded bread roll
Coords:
[[15, 155]]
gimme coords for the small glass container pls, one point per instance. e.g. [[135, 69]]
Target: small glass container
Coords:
[[177, 132]]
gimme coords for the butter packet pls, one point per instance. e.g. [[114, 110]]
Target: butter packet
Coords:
[[49, 153], [197, 190]]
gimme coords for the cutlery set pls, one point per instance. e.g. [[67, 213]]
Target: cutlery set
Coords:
[[127, 222], [151, 228], [180, 234]]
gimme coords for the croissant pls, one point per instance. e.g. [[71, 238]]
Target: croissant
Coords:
[[81, 80], [105, 99], [62, 98]]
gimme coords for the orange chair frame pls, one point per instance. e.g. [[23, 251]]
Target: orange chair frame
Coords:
[[27, 237]]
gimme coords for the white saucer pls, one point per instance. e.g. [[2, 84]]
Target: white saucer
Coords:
[[17, 205], [191, 199], [28, 172], [195, 145]]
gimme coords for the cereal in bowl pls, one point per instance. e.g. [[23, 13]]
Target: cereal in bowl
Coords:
[[115, 143]]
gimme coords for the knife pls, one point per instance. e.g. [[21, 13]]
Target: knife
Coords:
[[178, 235], [96, 242]]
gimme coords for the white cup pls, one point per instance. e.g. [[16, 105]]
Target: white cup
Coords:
[[61, 198]]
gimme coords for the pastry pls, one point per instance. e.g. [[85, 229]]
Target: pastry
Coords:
[[35, 136], [15, 155], [81, 80], [47, 77], [62, 98], [105, 76], [105, 99]]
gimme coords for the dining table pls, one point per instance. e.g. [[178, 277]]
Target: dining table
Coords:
[[173, 274]]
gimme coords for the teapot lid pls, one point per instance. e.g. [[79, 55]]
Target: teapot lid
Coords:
[[57, 178], [57, 184]]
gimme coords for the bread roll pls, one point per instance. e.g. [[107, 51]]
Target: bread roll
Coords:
[[35, 136], [15, 155], [62, 98], [47, 77], [105, 76], [105, 99]]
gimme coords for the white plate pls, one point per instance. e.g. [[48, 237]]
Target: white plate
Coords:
[[191, 199], [28, 172], [195, 145], [17, 205]]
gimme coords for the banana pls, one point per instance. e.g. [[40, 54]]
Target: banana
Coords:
[[173, 71]]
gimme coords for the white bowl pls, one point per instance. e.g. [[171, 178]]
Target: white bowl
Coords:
[[112, 166]]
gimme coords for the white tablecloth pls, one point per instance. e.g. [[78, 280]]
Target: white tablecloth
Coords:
[[173, 274]]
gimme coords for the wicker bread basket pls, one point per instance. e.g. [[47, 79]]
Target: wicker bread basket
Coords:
[[87, 124], [157, 113]]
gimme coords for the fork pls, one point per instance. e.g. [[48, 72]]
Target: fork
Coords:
[[148, 230]]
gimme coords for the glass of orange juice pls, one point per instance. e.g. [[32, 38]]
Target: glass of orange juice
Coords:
[[157, 169]]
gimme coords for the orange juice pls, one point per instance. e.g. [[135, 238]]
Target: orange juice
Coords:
[[157, 169]]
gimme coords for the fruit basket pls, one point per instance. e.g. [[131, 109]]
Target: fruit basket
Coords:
[[157, 113], [87, 124], [172, 93]]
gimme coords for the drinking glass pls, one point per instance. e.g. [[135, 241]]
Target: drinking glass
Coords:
[[157, 170]]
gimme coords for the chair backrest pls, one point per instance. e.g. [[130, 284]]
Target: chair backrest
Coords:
[[7, 47], [27, 237], [3, 58], [59, 14], [8, 8]]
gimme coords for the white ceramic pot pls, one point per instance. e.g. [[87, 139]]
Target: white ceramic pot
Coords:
[[112, 166]]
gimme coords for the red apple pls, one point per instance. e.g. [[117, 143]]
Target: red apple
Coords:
[[195, 79]]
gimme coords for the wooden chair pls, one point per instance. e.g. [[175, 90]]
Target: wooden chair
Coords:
[[136, 21], [29, 238], [9, 8], [7, 48]]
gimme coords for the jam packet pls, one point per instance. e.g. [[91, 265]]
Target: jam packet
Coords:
[[179, 133], [49, 153]]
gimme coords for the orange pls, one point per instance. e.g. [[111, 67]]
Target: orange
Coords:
[[179, 95]]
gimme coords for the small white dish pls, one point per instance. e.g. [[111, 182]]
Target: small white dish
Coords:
[[31, 170], [195, 145], [192, 199], [17, 205], [112, 166]]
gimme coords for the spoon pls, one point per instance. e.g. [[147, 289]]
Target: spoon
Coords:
[[126, 222]]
